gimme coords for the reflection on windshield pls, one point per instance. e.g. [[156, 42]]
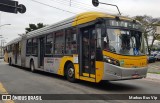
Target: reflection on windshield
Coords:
[[123, 41]]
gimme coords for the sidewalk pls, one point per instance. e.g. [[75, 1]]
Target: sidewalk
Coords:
[[154, 70], [153, 76], [154, 67]]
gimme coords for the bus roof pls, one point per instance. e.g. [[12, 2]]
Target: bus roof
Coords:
[[89, 16], [14, 41], [73, 21]]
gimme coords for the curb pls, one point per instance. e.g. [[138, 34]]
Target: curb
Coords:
[[153, 76]]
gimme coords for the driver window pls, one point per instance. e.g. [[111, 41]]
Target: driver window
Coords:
[[99, 38], [112, 38], [133, 43]]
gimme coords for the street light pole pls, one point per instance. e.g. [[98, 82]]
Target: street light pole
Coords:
[[4, 25], [1, 45], [1, 39]]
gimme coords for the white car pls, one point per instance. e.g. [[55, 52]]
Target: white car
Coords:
[[157, 57]]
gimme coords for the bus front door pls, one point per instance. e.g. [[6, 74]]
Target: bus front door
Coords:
[[88, 48]]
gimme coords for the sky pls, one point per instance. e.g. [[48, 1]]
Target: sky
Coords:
[[38, 13]]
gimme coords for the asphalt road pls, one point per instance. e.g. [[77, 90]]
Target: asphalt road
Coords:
[[21, 81]]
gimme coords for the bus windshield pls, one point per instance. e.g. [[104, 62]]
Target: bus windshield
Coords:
[[125, 42]]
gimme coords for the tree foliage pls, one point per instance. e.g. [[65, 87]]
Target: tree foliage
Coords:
[[149, 29], [33, 27]]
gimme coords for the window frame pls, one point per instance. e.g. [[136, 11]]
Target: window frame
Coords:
[[47, 44], [73, 31], [62, 43], [34, 46]]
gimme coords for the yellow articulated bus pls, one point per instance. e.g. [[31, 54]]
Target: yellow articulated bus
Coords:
[[91, 46]]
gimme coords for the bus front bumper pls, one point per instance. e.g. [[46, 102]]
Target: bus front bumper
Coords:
[[112, 72]]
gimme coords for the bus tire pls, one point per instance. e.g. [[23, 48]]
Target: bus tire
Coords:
[[32, 67], [10, 61], [70, 73]]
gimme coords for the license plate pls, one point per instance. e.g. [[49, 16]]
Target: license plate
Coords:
[[135, 76]]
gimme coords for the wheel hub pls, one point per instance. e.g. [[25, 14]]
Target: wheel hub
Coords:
[[70, 72]]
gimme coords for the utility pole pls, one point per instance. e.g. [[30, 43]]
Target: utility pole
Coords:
[[1, 43], [1, 47], [1, 37], [70, 3]]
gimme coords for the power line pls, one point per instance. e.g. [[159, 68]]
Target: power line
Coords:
[[62, 2], [79, 6], [53, 7], [83, 5], [80, 3], [98, 8], [74, 6]]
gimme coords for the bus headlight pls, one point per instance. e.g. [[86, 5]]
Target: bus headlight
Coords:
[[111, 60]]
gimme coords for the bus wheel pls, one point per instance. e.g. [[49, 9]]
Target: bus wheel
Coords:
[[10, 61], [32, 66], [71, 73]]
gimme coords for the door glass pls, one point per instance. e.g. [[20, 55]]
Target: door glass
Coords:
[[41, 51], [85, 51], [92, 50], [16, 52], [88, 50]]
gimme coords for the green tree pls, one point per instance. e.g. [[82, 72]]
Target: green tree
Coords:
[[149, 29], [33, 27]]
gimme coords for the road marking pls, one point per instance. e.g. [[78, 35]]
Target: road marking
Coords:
[[4, 91]]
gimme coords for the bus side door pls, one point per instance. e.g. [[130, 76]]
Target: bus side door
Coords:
[[87, 51]]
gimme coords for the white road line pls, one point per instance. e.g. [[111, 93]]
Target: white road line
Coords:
[[4, 91]]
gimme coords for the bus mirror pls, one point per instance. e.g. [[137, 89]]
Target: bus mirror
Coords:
[[95, 3]]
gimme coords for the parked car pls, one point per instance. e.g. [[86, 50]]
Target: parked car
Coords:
[[157, 57], [154, 54], [151, 59]]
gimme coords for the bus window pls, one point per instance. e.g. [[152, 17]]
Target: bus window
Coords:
[[19, 48], [59, 42], [10, 48], [49, 42], [99, 44], [124, 41], [35, 46], [13, 48], [29, 46], [71, 38]]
